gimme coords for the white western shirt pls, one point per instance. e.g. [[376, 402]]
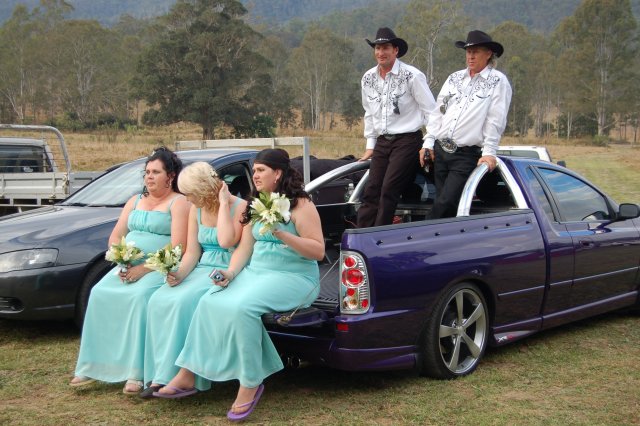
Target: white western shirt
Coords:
[[476, 110], [399, 103]]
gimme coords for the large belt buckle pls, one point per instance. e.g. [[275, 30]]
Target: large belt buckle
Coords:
[[448, 145], [390, 138]]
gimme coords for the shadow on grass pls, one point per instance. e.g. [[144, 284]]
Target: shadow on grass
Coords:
[[42, 331]]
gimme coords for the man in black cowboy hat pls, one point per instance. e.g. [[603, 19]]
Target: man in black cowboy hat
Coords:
[[465, 130], [397, 101]]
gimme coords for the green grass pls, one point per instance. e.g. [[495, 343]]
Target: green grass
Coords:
[[580, 374], [583, 373]]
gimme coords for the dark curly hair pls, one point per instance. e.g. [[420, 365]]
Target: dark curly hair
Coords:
[[291, 183], [171, 163]]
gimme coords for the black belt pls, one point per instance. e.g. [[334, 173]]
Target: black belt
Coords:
[[391, 138]]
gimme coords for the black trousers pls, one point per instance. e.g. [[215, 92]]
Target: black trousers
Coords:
[[451, 172], [393, 166]]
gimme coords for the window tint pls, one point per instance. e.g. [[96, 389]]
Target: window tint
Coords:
[[577, 201], [540, 196]]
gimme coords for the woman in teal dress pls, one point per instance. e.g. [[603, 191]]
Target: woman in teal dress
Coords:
[[214, 227], [113, 333], [227, 339]]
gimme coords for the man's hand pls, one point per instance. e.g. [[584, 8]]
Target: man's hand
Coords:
[[367, 154], [489, 160], [422, 156]]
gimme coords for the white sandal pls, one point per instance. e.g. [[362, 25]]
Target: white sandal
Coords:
[[84, 380], [139, 386]]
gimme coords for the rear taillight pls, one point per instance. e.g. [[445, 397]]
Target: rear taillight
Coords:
[[354, 285]]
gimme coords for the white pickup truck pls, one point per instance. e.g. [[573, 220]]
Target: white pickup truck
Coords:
[[35, 172], [528, 151]]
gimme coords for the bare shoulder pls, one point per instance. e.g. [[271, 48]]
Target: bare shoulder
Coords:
[[306, 203], [241, 205], [305, 208], [180, 204]]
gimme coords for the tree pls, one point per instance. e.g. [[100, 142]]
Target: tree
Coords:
[[203, 68], [599, 43], [89, 67], [520, 48], [320, 71], [16, 61], [428, 26]]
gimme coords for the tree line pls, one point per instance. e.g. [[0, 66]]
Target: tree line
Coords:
[[202, 62]]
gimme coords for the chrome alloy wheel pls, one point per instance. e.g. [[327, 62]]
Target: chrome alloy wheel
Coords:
[[463, 331]]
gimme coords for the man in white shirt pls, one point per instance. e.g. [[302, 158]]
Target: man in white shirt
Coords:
[[465, 130], [397, 102]]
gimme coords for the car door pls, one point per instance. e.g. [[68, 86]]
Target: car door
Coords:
[[605, 253]]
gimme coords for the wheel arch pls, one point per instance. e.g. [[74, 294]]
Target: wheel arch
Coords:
[[488, 295], [97, 266]]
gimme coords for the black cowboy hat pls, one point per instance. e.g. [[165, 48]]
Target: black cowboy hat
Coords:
[[386, 35], [479, 38]]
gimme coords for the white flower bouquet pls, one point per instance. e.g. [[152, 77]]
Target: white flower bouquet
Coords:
[[123, 254], [165, 260], [270, 209]]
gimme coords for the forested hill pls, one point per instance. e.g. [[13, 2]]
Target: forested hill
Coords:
[[537, 15], [270, 12]]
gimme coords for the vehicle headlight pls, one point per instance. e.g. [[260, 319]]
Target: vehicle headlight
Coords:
[[27, 259]]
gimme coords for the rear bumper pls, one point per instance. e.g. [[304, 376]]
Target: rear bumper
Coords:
[[325, 351], [368, 342]]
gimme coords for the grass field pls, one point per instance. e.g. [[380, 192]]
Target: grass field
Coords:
[[582, 374]]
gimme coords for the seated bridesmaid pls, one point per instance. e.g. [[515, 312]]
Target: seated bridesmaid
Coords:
[[227, 339], [112, 344], [214, 227]]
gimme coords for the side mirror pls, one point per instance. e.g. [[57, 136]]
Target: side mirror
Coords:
[[562, 163], [628, 211]]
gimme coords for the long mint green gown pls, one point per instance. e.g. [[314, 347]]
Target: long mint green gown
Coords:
[[170, 310], [113, 333], [227, 339]]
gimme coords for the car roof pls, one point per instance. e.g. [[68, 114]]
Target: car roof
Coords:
[[207, 155], [21, 141]]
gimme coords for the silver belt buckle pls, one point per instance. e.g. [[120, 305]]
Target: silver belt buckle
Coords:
[[389, 137], [448, 145]]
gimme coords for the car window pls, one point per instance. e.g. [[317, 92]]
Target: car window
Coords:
[[541, 197], [21, 159], [237, 178], [576, 200], [112, 189]]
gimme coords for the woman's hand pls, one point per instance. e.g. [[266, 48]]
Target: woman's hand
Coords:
[[278, 232], [133, 273], [228, 277], [174, 278], [224, 196]]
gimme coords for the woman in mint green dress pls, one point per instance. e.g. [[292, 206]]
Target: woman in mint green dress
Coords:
[[227, 339], [214, 227], [113, 333]]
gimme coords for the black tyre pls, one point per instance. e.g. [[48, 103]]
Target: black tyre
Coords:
[[455, 337], [94, 274]]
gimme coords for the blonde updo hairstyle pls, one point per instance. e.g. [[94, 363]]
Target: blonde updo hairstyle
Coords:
[[202, 182]]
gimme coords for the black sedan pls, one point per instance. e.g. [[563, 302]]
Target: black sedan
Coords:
[[50, 258]]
